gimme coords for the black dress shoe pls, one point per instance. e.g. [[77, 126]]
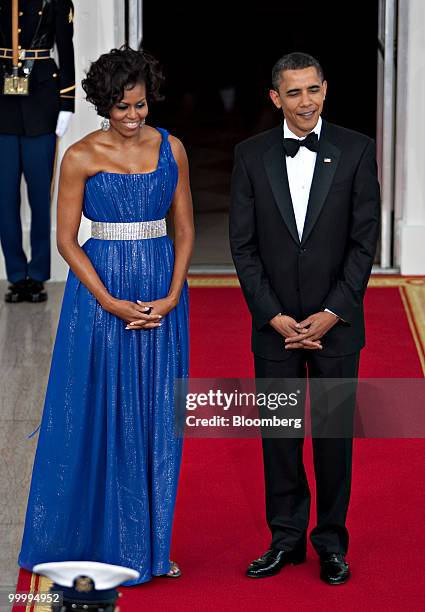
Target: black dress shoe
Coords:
[[334, 568], [17, 292], [272, 562], [36, 292]]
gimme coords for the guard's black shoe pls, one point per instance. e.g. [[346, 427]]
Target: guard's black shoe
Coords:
[[272, 562], [334, 568], [36, 292], [17, 292]]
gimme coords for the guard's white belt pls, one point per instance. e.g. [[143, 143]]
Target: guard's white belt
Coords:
[[128, 231]]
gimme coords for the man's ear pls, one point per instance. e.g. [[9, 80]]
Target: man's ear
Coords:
[[325, 89], [275, 98]]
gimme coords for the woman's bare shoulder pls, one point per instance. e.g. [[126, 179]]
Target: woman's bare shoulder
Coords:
[[177, 148], [87, 143], [81, 153]]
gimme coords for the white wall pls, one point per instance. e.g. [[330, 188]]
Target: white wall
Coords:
[[99, 26], [410, 149]]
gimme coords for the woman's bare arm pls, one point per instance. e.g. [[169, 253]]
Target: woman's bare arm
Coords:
[[72, 182], [182, 216], [73, 176]]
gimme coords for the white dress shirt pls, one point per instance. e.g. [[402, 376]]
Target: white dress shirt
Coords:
[[300, 175], [300, 171]]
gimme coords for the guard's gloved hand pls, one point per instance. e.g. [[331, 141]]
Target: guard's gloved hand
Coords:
[[62, 125]]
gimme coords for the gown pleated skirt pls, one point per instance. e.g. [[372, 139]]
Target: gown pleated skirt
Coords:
[[108, 457]]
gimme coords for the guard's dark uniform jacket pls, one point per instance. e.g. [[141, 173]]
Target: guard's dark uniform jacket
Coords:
[[42, 24]]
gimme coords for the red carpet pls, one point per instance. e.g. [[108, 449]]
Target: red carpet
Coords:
[[219, 523]]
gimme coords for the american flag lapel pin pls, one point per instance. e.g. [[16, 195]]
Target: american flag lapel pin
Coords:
[[327, 160]]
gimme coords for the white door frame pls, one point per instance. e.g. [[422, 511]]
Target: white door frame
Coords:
[[401, 124], [135, 23], [385, 123]]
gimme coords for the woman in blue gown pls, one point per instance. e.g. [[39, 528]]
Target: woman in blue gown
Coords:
[[107, 462]]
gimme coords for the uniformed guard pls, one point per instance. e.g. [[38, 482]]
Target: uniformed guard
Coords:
[[86, 585], [37, 99]]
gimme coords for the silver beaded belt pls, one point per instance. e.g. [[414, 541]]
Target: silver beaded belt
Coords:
[[128, 231]]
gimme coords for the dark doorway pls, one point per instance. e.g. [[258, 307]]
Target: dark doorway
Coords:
[[217, 59]]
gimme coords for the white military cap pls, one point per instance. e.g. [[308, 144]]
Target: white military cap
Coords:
[[104, 576]]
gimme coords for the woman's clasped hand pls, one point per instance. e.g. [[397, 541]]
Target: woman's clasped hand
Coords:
[[141, 315]]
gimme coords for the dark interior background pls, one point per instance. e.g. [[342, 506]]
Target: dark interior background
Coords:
[[205, 47], [217, 58]]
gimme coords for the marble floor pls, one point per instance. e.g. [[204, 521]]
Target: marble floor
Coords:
[[211, 242], [211, 164], [27, 333]]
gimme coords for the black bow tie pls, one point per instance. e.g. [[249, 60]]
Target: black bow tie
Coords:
[[292, 145]]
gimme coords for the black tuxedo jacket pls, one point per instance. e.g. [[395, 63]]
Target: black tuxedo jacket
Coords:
[[330, 266]]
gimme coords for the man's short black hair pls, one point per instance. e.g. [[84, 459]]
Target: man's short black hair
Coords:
[[294, 61]]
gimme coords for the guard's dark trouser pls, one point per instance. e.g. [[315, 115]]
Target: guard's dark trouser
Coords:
[[34, 156], [287, 490]]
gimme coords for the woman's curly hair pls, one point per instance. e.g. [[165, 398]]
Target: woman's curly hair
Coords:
[[118, 70]]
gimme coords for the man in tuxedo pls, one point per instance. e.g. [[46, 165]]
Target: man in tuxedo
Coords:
[[304, 223]]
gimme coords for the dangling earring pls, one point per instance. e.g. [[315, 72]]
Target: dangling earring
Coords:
[[106, 124], [142, 123]]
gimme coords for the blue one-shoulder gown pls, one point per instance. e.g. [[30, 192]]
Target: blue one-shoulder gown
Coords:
[[107, 462]]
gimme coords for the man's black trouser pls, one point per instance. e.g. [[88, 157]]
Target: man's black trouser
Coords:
[[287, 491]]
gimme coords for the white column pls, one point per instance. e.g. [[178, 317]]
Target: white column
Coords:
[[98, 27], [410, 149], [135, 25]]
